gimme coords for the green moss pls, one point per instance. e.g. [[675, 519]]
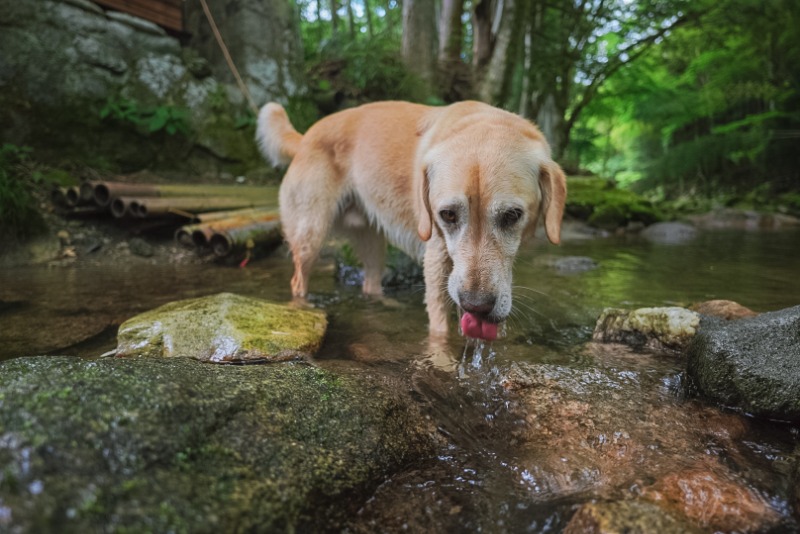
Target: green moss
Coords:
[[163, 445], [223, 327], [791, 202], [606, 206]]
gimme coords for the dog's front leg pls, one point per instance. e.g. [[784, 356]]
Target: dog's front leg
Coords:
[[436, 267]]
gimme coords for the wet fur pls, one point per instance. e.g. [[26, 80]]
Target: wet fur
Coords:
[[387, 170]]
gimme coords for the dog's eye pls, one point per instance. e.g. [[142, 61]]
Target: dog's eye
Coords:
[[448, 216], [510, 217]]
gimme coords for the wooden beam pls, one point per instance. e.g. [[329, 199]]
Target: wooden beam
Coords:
[[165, 13]]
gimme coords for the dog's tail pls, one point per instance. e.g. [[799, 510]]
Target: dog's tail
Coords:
[[277, 138]]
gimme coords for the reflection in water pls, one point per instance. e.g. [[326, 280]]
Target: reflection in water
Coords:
[[533, 424]]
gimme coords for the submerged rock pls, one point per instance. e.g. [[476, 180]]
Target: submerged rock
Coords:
[[570, 264], [613, 432], [753, 364], [659, 328], [224, 328], [711, 500], [630, 517], [174, 445], [669, 232], [744, 220]]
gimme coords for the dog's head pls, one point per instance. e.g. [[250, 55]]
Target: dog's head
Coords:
[[485, 185]]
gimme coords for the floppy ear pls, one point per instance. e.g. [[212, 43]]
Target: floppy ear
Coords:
[[553, 184], [425, 226]]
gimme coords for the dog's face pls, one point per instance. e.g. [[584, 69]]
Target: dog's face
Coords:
[[484, 192]]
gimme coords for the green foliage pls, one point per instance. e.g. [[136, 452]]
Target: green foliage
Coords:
[[19, 217], [712, 110], [170, 119], [791, 203], [364, 71], [602, 204]]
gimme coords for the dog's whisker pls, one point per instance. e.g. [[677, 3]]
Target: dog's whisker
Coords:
[[532, 290]]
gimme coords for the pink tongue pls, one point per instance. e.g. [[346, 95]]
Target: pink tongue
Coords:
[[473, 326]]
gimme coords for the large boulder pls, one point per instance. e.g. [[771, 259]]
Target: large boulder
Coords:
[[752, 364], [175, 445], [224, 328], [106, 88]]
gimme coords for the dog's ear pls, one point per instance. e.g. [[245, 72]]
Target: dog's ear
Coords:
[[425, 226], [553, 185]]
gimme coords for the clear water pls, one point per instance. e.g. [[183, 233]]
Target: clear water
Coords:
[[495, 472]]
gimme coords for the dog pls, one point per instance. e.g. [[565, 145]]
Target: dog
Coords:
[[456, 187]]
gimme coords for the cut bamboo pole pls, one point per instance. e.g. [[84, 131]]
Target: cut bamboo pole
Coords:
[[227, 214], [120, 206], [73, 196], [104, 192], [183, 235], [146, 207], [58, 196], [202, 231], [87, 190], [266, 233]]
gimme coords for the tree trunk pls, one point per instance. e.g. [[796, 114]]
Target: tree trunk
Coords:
[[482, 17], [453, 76], [368, 13], [387, 6], [451, 31], [351, 20], [494, 78], [524, 99], [419, 37], [334, 6], [550, 120]]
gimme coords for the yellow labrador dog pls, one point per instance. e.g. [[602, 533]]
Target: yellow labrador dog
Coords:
[[455, 187]]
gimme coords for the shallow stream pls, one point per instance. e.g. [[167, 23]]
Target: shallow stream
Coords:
[[608, 423]]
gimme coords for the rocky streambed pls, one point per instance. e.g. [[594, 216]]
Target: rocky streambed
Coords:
[[153, 439]]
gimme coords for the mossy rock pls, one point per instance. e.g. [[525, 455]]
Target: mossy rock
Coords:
[[223, 328], [175, 445], [603, 205], [658, 328]]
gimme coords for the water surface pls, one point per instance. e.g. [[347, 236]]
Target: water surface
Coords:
[[495, 473]]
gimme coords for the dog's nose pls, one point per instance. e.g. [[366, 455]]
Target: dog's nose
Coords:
[[477, 301]]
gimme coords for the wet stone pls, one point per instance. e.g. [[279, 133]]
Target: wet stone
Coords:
[[175, 445], [669, 232], [140, 247], [712, 499], [629, 517], [569, 264], [752, 364], [657, 328], [224, 328], [723, 309], [612, 432]]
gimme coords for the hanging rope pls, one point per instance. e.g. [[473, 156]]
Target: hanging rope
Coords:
[[228, 57]]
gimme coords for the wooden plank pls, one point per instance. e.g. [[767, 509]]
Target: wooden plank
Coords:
[[165, 13]]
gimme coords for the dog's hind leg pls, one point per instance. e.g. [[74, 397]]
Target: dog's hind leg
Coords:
[[370, 247], [309, 198], [368, 243]]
